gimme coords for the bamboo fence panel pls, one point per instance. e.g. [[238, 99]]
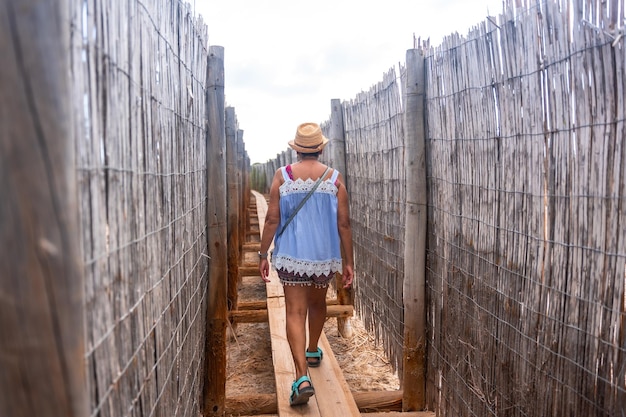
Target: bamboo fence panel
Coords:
[[527, 263], [139, 73], [374, 138]]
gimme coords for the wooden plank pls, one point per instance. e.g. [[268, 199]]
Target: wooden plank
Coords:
[[249, 271], [256, 415], [378, 401], [250, 404], [262, 304], [260, 315], [367, 401], [252, 246], [261, 209], [284, 369], [253, 305], [332, 392], [401, 414], [248, 316]]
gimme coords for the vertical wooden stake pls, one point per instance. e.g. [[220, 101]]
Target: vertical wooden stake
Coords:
[[337, 160], [244, 192], [414, 357], [42, 352], [233, 209], [217, 314]]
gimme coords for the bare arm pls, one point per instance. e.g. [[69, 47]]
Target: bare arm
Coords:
[[345, 232], [272, 218]]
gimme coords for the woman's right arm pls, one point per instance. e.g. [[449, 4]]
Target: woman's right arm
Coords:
[[345, 232]]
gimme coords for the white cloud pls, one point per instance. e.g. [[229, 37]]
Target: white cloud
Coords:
[[285, 60]]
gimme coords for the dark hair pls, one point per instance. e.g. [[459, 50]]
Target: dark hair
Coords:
[[315, 154]]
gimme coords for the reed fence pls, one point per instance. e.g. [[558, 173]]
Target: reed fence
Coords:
[[132, 147], [527, 252], [374, 143], [139, 72]]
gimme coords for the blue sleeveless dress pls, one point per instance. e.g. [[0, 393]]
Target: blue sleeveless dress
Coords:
[[309, 250]]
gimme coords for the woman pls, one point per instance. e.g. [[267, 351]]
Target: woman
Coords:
[[307, 247]]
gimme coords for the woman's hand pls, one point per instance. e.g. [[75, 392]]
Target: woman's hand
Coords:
[[348, 276], [264, 269]]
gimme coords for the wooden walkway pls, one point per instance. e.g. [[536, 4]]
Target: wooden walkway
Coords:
[[333, 397]]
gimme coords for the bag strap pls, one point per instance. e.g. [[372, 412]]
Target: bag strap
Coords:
[[317, 183]]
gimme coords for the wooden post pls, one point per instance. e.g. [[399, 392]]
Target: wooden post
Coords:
[[217, 314], [233, 207], [414, 357], [42, 352], [244, 192], [337, 160], [269, 171]]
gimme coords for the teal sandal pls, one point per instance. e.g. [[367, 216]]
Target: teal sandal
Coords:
[[314, 355], [301, 396]]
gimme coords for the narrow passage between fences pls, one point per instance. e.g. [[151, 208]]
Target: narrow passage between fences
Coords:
[[333, 396]]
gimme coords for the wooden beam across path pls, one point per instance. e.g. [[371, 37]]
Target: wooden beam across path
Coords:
[[402, 414], [252, 246], [262, 304], [249, 271], [370, 403], [261, 315], [383, 414], [256, 311]]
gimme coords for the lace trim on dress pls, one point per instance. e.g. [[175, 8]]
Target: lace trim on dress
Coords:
[[301, 267], [301, 186]]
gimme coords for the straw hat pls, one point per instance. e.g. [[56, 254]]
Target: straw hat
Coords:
[[309, 139]]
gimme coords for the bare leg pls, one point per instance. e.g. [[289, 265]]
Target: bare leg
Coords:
[[296, 307], [317, 315]]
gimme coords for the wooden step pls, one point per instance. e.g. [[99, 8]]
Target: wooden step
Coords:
[[249, 271], [370, 403], [261, 315], [252, 246], [262, 304]]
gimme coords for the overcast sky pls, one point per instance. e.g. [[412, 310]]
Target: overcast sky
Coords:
[[286, 59]]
